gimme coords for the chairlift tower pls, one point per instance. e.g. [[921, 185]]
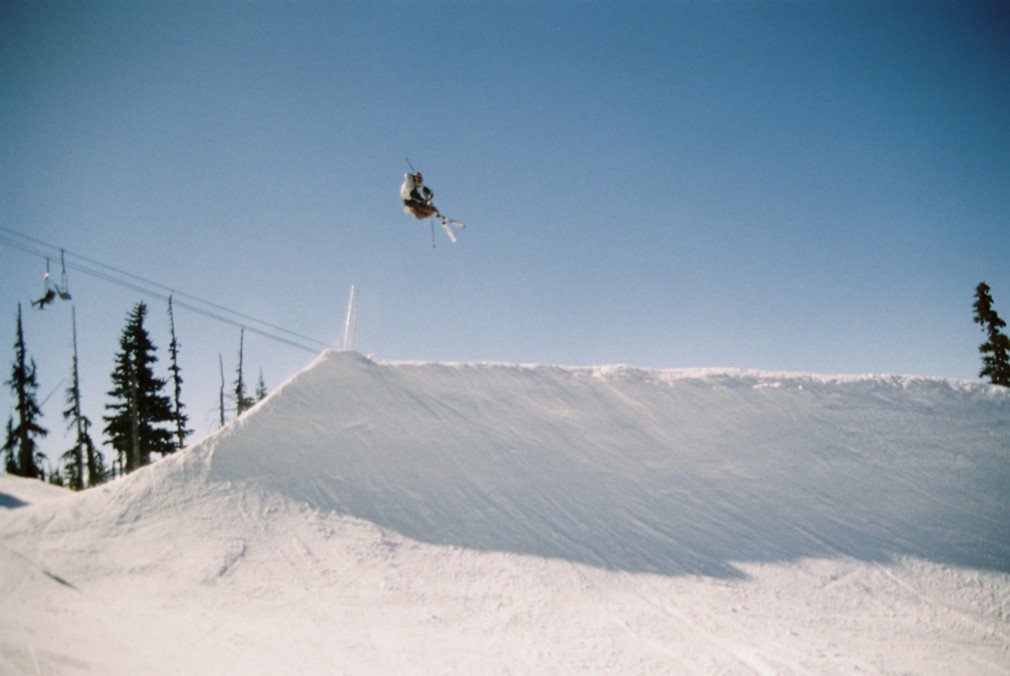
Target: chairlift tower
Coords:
[[351, 320]]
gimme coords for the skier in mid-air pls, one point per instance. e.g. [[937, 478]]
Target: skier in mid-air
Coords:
[[417, 196], [417, 200]]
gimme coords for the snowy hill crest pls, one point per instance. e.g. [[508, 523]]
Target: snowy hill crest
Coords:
[[640, 470]]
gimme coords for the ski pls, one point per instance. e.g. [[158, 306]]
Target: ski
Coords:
[[447, 222], [448, 231]]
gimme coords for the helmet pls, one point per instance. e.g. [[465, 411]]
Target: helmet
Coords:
[[418, 178]]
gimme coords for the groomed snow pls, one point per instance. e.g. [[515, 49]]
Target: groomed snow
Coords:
[[374, 517]]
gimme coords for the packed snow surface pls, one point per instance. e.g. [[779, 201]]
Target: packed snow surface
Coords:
[[375, 517]]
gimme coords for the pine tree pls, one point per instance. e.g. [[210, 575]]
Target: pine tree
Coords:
[[139, 407], [24, 457], [179, 418], [261, 388], [83, 463], [73, 458], [996, 349], [10, 444], [220, 394], [242, 402]]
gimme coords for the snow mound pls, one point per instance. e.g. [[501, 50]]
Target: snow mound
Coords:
[[374, 517], [639, 470], [19, 492]]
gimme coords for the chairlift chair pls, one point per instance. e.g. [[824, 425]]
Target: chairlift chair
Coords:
[[48, 294]]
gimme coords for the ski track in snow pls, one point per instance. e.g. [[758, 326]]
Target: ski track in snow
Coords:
[[375, 517]]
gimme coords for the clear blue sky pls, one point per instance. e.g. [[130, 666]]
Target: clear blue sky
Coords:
[[771, 185]]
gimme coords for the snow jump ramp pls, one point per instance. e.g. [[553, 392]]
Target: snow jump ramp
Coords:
[[668, 472]]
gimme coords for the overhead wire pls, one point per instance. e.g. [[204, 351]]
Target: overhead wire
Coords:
[[173, 292], [143, 286]]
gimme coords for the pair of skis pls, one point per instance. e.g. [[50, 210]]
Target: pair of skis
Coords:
[[447, 224]]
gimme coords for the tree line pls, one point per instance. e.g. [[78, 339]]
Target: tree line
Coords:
[[141, 418]]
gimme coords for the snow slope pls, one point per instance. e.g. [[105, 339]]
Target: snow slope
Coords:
[[445, 518]]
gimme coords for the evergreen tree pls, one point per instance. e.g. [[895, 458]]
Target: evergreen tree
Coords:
[[139, 407], [996, 349], [242, 402], [10, 444], [83, 463], [179, 418], [261, 388], [220, 394], [24, 456]]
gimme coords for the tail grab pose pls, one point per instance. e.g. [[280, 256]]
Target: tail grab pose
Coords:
[[417, 200]]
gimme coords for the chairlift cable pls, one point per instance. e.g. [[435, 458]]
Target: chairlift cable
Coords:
[[169, 289], [160, 296], [189, 306]]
